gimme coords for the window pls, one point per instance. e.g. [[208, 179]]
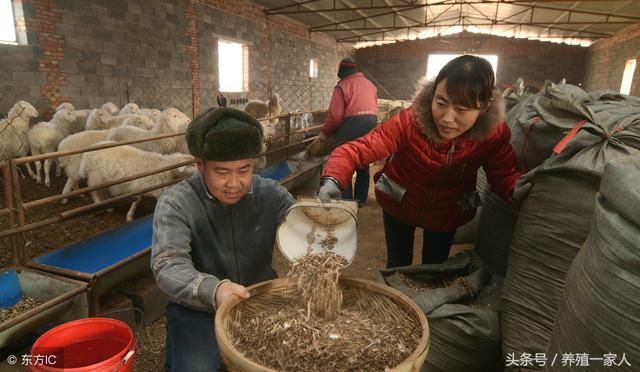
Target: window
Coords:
[[231, 66], [437, 61], [313, 68], [627, 76], [7, 24]]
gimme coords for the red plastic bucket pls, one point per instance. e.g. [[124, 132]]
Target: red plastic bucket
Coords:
[[92, 344]]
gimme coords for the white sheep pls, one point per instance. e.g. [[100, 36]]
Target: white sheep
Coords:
[[153, 114], [110, 107], [180, 122], [111, 164], [165, 125], [129, 109], [259, 109], [14, 141], [301, 120], [71, 163], [79, 124], [45, 137], [177, 117], [138, 121], [101, 119], [98, 119]]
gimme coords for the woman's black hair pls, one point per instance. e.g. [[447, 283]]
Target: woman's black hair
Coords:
[[470, 81]]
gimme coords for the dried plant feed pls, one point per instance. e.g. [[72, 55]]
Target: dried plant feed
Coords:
[[25, 304], [451, 280], [309, 327], [371, 332], [316, 276]]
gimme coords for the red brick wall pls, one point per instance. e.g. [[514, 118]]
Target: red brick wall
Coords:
[[44, 24], [192, 52], [398, 66], [606, 59]]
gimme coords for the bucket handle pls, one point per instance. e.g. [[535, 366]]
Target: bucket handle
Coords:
[[125, 359], [132, 351], [331, 204]]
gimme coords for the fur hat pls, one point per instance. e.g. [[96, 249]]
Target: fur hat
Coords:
[[347, 67], [224, 134]]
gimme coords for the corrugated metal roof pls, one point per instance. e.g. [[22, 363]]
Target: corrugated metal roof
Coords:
[[368, 21]]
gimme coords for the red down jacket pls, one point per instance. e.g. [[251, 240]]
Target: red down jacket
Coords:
[[427, 183]]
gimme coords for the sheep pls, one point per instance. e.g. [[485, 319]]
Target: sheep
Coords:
[[180, 122], [153, 114], [14, 141], [139, 121], [178, 117], [98, 119], [259, 110], [101, 119], [65, 106], [71, 163], [110, 107], [301, 120], [129, 109], [163, 146], [111, 164], [81, 119], [44, 137]]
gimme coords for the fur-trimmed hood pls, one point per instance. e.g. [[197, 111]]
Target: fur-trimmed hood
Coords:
[[484, 126]]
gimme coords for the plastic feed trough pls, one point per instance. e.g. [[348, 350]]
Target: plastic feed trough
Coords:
[[61, 299]]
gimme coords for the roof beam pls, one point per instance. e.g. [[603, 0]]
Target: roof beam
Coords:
[[487, 22], [398, 9], [335, 24], [573, 11], [614, 10]]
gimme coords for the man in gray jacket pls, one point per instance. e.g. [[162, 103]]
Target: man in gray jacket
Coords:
[[213, 234]]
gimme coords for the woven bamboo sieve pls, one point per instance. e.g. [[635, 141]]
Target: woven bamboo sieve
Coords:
[[390, 303]]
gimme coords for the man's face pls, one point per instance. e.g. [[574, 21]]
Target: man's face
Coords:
[[227, 181], [452, 119]]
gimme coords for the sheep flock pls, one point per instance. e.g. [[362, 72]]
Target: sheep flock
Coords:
[[78, 130]]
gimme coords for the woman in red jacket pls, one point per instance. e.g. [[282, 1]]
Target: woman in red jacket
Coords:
[[433, 149]]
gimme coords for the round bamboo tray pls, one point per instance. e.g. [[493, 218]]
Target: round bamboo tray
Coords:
[[234, 360]]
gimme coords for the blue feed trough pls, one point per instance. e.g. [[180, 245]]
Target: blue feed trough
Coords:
[[99, 252], [294, 173], [105, 261], [277, 171], [60, 300]]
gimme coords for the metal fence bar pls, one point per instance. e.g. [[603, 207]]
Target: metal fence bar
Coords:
[[50, 155], [82, 210], [8, 199], [54, 198], [19, 254]]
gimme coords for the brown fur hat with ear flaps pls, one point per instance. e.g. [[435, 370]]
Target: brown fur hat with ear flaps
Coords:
[[225, 134], [483, 128]]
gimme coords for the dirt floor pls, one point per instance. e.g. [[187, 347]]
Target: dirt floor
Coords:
[[370, 257]]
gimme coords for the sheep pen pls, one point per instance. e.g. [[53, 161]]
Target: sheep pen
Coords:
[[320, 324]]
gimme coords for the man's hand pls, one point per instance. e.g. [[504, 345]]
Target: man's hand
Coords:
[[322, 136], [227, 289], [329, 191]]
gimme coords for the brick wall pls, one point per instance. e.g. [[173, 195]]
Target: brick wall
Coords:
[[398, 67], [279, 54], [606, 59], [158, 54]]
